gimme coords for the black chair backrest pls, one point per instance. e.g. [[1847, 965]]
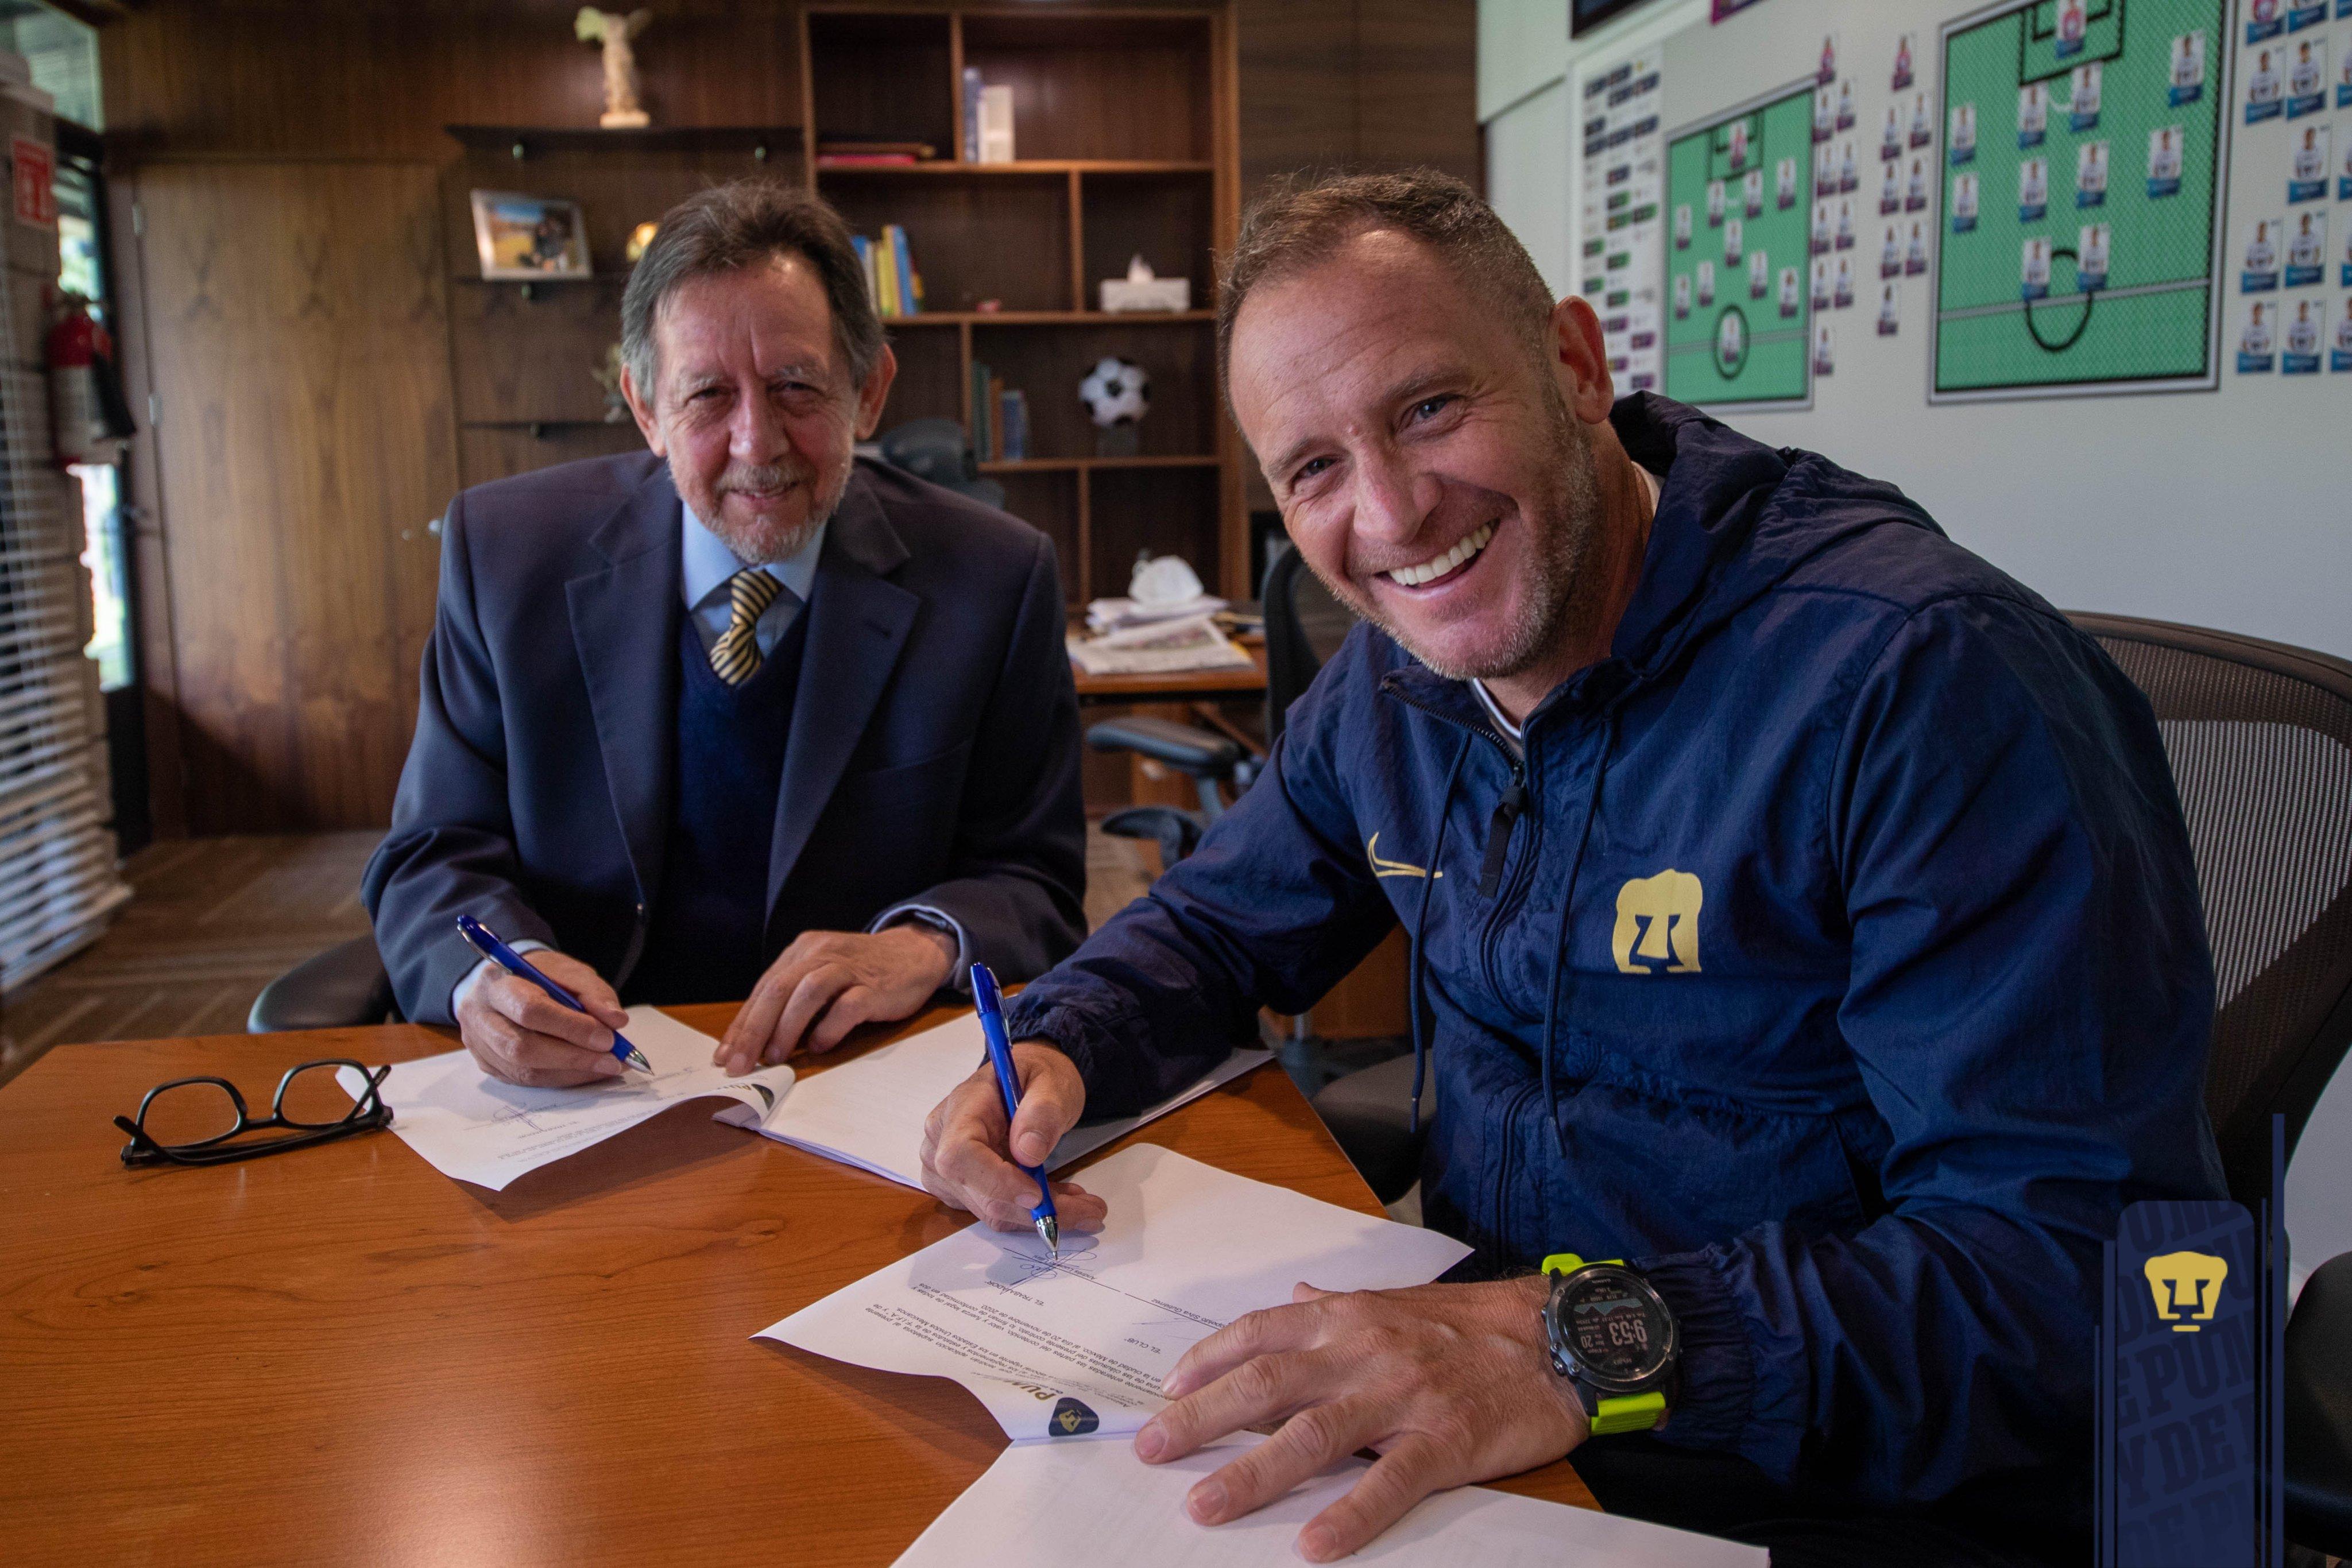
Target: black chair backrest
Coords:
[[1304, 627], [2259, 738]]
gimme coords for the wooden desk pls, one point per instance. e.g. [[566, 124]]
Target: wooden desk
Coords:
[[341, 1355], [1182, 686]]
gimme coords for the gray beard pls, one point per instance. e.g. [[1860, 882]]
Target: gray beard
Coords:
[[762, 548]]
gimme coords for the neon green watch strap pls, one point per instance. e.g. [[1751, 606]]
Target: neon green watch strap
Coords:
[[1569, 1262], [1629, 1413]]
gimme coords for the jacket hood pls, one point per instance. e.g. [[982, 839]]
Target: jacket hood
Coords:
[[1736, 519]]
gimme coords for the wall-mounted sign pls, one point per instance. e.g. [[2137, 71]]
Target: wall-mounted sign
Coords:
[[33, 172]]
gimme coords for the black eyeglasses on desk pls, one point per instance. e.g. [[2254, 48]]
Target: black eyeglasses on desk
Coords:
[[196, 1120]]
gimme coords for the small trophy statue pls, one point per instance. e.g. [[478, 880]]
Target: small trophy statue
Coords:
[[610, 28]]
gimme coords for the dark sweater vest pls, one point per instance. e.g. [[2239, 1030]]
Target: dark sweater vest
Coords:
[[707, 942]]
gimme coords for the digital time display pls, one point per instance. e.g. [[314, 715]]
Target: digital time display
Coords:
[[1611, 1328]]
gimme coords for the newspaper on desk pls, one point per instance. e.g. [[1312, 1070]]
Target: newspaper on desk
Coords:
[[475, 1128], [1160, 648], [1058, 1346]]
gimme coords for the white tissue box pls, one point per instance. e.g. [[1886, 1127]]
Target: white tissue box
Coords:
[[1120, 294]]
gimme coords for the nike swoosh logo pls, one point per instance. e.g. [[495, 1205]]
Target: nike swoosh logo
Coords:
[[1390, 868]]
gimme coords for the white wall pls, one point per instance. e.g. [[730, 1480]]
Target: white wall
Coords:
[[2225, 508]]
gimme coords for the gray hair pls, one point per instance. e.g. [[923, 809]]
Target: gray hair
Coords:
[[733, 227], [1303, 220]]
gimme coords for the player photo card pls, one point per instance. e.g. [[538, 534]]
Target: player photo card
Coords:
[[2306, 249], [1914, 188], [1738, 146], [1845, 105], [1731, 341], [1734, 231], [1682, 295], [1824, 349], [2033, 279], [1965, 194], [1915, 254], [1825, 68], [2344, 78], [2301, 13], [2073, 25], [2256, 354], [2091, 175], [2302, 356], [2187, 69], [1962, 140], [1825, 168], [2261, 272], [2306, 179], [1821, 283], [2033, 190], [1890, 135], [2032, 113], [1751, 190], [1890, 310], [1844, 224], [1822, 219], [2306, 78], [1890, 189], [1824, 113], [1849, 166], [1906, 51], [1784, 184], [2082, 101], [1705, 271], [1759, 275], [2264, 19], [2339, 357], [2164, 161], [1791, 292], [2343, 173], [2343, 259], [1841, 289], [2091, 256], [1683, 226], [1890, 254], [2263, 86], [1715, 203], [1923, 120]]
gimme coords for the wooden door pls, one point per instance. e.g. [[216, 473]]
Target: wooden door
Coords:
[[296, 337]]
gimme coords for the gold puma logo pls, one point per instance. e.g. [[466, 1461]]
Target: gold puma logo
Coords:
[[1669, 902], [2188, 1282], [1390, 868]]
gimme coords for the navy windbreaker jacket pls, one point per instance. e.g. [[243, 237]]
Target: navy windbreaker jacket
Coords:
[[1841, 965]]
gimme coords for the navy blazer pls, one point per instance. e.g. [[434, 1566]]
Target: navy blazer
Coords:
[[933, 754]]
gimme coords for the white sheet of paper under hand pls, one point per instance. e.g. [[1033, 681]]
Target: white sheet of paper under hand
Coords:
[[869, 1113], [475, 1128], [1088, 1503], [1058, 1349]]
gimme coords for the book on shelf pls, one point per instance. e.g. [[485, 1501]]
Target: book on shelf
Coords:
[[902, 262], [1012, 420], [981, 420], [869, 149], [865, 160], [972, 86], [996, 124], [891, 280], [865, 249]]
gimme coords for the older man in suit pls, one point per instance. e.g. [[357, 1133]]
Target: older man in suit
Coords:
[[743, 716]]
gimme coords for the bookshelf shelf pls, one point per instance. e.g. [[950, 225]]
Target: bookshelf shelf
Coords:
[[1047, 168], [1051, 319]]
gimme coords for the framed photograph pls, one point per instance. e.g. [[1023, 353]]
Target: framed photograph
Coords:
[[524, 238]]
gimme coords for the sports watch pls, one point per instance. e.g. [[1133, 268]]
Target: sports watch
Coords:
[[1613, 1337]]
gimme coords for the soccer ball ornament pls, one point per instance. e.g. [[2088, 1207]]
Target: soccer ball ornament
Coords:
[[1116, 392]]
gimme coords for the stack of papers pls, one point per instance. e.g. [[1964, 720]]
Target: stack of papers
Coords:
[[1104, 615], [1059, 1347], [475, 1128], [869, 1113], [1083, 1504], [1159, 647]]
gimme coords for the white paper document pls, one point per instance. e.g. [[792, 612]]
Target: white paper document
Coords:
[[478, 1129], [1090, 1502], [1060, 1348], [869, 1113]]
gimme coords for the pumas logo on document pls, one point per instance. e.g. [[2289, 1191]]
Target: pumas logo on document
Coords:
[[1657, 917], [1070, 1419], [2187, 1287], [1381, 868]]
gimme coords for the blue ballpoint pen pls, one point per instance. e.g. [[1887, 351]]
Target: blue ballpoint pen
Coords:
[[486, 943], [991, 1002]]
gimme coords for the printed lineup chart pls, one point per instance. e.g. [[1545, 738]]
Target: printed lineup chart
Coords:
[[1739, 193], [1620, 228], [2077, 248]]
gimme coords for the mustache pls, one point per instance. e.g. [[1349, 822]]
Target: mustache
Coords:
[[761, 477]]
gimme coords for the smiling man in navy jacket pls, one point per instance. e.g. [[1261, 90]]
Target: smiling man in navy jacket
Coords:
[[1802, 913], [726, 718]]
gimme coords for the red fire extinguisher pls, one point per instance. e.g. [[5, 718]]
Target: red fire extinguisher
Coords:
[[88, 416]]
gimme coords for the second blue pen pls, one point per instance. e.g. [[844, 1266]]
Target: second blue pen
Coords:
[[991, 1002]]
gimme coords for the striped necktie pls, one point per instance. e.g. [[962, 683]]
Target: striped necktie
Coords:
[[735, 657]]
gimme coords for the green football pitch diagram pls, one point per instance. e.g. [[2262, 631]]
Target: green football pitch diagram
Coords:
[[2098, 129], [1737, 187]]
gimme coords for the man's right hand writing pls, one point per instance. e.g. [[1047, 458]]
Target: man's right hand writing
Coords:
[[521, 1034], [967, 1164]]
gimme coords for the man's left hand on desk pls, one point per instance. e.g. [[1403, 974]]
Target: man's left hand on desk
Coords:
[[1450, 1384], [828, 982]]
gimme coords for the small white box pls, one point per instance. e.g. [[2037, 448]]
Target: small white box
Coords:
[[996, 124], [1125, 294]]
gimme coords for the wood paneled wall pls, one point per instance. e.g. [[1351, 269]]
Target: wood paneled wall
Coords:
[[286, 304]]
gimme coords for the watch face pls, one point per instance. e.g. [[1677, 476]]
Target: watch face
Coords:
[[1613, 1326]]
